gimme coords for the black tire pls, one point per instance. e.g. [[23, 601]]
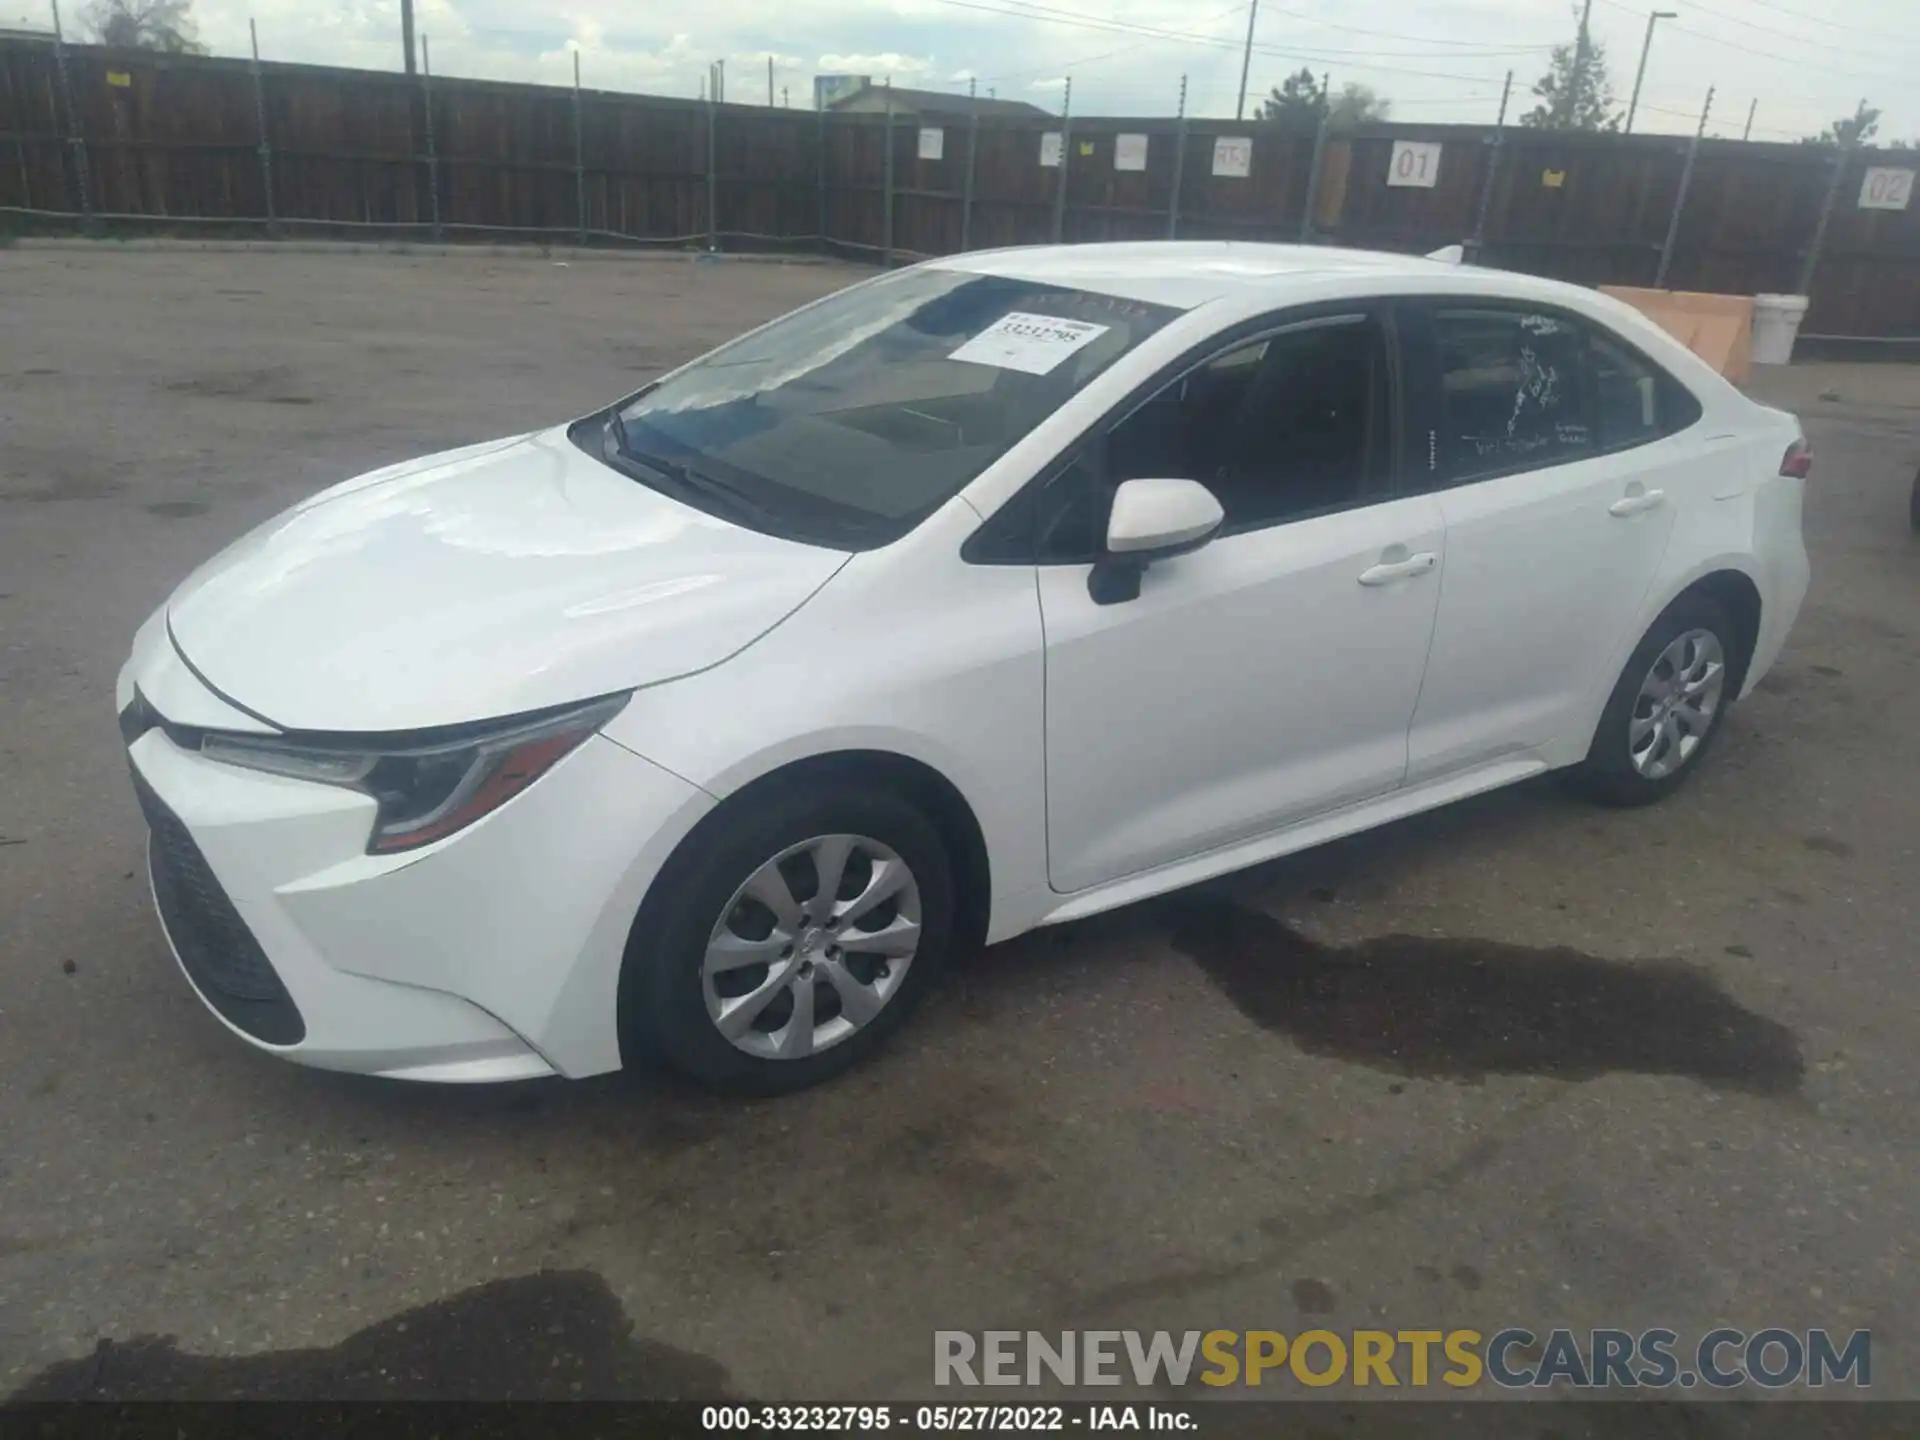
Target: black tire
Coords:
[[663, 1009], [1608, 774], [1913, 504]]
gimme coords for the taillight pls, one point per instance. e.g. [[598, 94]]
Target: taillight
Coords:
[[1798, 460]]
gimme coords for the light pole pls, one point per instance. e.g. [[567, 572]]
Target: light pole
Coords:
[[1641, 73], [406, 32], [1246, 59]]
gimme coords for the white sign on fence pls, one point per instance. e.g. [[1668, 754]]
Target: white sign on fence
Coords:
[[933, 142], [1129, 152], [1050, 149], [1233, 155], [1886, 190], [1415, 162]]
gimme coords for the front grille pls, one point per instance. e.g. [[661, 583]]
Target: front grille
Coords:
[[214, 944]]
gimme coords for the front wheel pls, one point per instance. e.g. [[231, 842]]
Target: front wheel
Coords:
[[790, 937], [1666, 707]]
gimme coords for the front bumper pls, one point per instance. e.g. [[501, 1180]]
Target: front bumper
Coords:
[[492, 955]]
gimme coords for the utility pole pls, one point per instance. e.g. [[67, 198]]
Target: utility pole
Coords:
[[406, 32], [1246, 59], [1641, 74], [769, 82], [1680, 200], [1478, 242], [1579, 77], [1747, 134], [1842, 152]]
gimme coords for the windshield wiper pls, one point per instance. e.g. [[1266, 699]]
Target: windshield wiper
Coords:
[[689, 481]]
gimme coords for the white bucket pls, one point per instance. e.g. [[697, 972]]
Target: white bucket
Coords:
[[1776, 322]]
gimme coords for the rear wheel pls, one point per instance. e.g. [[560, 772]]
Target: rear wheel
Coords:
[[1666, 707], [790, 938]]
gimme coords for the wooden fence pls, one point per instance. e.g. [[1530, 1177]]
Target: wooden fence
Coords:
[[117, 140]]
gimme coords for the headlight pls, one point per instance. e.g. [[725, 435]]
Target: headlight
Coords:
[[430, 785]]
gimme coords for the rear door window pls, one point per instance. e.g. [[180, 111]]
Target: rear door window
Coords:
[[1511, 394]]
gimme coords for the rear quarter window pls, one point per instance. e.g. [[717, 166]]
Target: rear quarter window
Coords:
[[1635, 401]]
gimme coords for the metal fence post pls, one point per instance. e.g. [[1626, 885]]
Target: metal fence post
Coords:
[[821, 170], [1066, 150], [1313, 178], [966, 197], [1842, 153], [579, 156], [1179, 164], [1680, 200], [886, 185], [433, 158], [260, 113], [75, 140], [1479, 238], [713, 178]]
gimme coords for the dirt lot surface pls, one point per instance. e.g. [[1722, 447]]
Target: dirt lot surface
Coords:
[[1516, 1062]]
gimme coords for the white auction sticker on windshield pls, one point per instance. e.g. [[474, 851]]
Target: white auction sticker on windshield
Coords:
[[1033, 343]]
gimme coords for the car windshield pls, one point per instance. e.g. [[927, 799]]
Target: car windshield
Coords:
[[849, 422]]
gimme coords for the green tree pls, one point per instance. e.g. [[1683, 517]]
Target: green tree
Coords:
[[144, 25], [1854, 129], [1300, 98], [1576, 93], [1359, 105]]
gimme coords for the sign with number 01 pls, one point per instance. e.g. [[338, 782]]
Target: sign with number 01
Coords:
[[1415, 162], [1886, 190]]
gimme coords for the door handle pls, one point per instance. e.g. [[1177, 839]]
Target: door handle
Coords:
[[1392, 570], [1634, 504]]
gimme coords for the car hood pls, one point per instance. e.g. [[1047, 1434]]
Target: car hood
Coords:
[[487, 581]]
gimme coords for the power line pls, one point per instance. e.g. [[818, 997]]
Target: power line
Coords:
[[1713, 39], [1290, 53], [1031, 9], [1391, 35], [1107, 55], [1768, 30], [1821, 20]]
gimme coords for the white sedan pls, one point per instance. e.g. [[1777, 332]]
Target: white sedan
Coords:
[[980, 596]]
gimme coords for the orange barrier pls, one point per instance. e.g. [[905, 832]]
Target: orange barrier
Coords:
[[1717, 328]]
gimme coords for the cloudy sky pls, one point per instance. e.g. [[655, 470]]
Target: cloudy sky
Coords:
[[1806, 61]]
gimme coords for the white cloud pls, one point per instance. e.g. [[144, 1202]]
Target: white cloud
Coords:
[[1443, 60], [889, 63]]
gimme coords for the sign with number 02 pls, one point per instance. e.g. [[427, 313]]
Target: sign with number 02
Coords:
[[1886, 189], [1415, 162]]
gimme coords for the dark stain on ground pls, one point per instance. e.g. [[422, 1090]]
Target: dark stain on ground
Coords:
[[1466, 1277], [1464, 1009], [176, 509], [1830, 671], [555, 1335], [1827, 845], [1314, 1297], [271, 384]]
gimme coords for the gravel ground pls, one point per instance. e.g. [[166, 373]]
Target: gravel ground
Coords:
[[1515, 1062]]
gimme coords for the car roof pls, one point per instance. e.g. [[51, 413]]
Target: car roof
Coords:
[[1189, 273]]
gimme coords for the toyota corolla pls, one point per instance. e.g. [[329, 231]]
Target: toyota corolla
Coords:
[[980, 596]]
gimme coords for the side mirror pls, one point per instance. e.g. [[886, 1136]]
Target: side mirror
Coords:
[[1151, 520]]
